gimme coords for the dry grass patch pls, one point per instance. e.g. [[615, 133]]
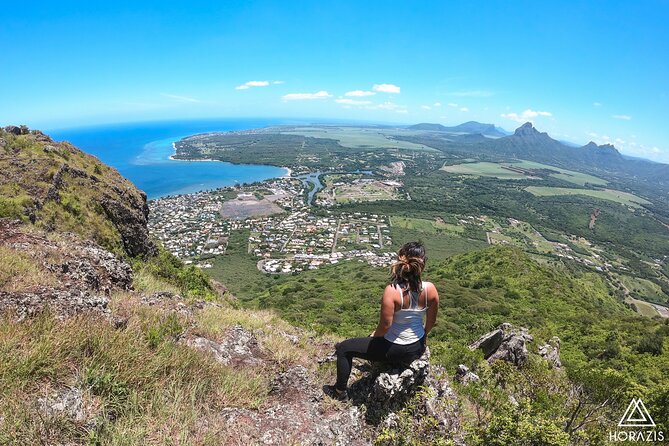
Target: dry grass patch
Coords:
[[284, 343], [19, 272], [151, 390], [148, 283]]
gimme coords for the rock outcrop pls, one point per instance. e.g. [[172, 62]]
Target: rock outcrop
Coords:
[[66, 274], [506, 342], [465, 376], [551, 352], [130, 214], [398, 382], [67, 402], [59, 185], [297, 413], [239, 347], [509, 343]]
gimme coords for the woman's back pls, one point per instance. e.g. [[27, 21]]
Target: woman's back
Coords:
[[407, 326]]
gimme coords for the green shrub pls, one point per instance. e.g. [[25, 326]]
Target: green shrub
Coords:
[[189, 280], [520, 428]]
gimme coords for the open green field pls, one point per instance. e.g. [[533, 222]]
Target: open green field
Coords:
[[644, 308], [624, 198], [497, 170], [424, 225], [644, 289], [353, 191], [567, 175], [484, 169], [438, 246], [237, 269], [364, 192], [357, 137], [523, 235]]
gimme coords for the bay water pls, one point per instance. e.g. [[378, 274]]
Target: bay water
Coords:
[[141, 152]]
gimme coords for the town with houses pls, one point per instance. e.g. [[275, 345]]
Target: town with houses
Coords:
[[284, 233]]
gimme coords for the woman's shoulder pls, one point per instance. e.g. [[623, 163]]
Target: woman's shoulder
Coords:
[[429, 287]]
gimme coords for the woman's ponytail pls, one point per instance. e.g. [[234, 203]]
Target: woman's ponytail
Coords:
[[408, 268]]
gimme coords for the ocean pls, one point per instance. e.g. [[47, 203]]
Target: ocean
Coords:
[[140, 152]]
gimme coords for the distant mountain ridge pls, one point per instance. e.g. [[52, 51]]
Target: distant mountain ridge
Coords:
[[527, 143], [466, 127]]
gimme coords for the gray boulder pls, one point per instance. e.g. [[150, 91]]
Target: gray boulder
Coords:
[[14, 130], [383, 388], [506, 342], [551, 352], [396, 382], [239, 347], [465, 376]]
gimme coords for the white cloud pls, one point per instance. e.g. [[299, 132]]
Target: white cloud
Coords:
[[464, 109], [249, 84], [525, 116], [622, 117], [351, 101], [597, 104], [180, 98], [391, 106], [306, 96], [278, 82], [386, 88], [453, 104], [359, 93], [437, 104], [473, 94], [425, 107]]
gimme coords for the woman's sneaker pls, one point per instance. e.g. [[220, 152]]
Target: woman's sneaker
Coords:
[[334, 393]]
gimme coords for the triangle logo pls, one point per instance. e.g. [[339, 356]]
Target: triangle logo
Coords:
[[636, 415]]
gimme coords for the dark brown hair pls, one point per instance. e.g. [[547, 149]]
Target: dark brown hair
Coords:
[[408, 268]]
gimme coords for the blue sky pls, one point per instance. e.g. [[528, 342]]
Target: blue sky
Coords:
[[579, 70]]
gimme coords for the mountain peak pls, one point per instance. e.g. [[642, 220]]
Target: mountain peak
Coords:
[[526, 129], [604, 148]]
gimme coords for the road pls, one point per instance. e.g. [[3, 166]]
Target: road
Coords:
[[334, 244]]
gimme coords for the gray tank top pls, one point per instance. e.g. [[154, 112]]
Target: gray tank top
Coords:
[[407, 326]]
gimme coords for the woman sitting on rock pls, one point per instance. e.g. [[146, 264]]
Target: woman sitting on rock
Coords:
[[400, 336]]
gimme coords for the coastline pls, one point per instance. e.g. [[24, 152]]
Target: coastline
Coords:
[[288, 174]]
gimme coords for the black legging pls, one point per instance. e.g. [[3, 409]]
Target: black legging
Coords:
[[373, 349]]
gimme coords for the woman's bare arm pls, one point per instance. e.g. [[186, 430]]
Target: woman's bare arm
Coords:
[[387, 311], [432, 308]]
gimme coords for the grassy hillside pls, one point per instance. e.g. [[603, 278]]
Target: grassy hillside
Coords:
[[137, 385], [57, 187]]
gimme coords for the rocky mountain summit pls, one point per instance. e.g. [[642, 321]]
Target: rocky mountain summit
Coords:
[[57, 187]]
